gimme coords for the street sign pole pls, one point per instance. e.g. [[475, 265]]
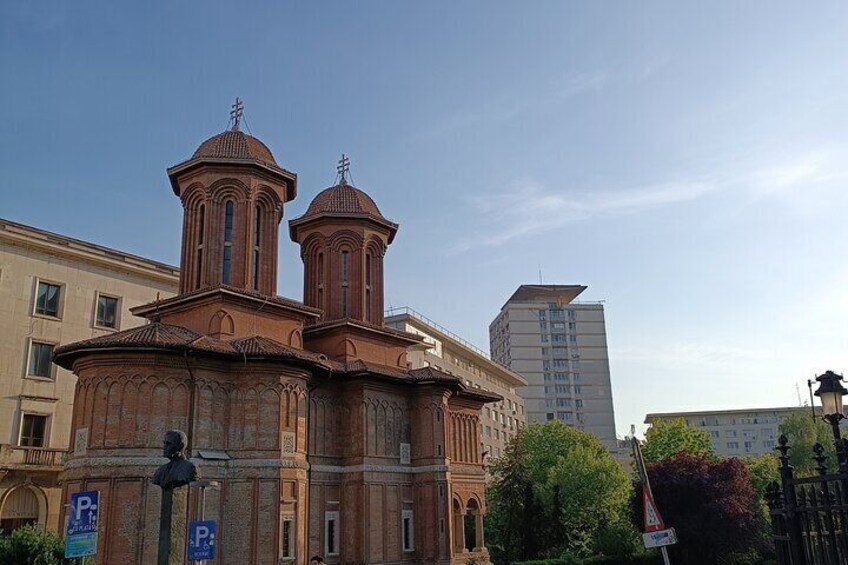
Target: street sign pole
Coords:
[[202, 485], [665, 555]]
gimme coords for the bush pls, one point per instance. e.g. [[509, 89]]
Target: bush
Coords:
[[30, 546], [617, 540], [641, 559]]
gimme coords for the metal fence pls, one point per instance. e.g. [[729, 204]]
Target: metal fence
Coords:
[[809, 515]]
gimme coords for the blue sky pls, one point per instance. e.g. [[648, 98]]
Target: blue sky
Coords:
[[686, 161]]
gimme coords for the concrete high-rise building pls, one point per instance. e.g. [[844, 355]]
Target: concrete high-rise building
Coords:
[[746, 432], [446, 351], [560, 347], [54, 290]]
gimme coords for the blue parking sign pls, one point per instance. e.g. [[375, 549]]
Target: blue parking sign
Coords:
[[201, 540], [81, 528]]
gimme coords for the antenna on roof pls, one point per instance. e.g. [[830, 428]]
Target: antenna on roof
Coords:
[[540, 274]]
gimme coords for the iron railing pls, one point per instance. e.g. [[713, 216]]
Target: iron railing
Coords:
[[809, 515]]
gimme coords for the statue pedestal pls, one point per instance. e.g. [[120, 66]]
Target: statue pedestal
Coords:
[[173, 524]]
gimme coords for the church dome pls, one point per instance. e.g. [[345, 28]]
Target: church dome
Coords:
[[237, 145], [343, 199]]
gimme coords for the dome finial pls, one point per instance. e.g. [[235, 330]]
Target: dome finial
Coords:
[[236, 113], [343, 169]]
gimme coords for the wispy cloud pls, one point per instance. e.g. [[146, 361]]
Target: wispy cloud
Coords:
[[531, 208]]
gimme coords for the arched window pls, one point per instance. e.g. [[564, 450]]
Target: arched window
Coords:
[[256, 238], [226, 272], [345, 271], [368, 287], [320, 280], [201, 228]]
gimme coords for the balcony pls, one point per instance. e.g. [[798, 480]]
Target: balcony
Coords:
[[35, 458]]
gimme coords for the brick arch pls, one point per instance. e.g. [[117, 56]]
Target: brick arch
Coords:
[[345, 239], [221, 325], [296, 338], [223, 189]]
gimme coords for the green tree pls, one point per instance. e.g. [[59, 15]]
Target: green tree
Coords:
[[763, 470], [30, 546], [572, 490], [803, 431], [667, 437]]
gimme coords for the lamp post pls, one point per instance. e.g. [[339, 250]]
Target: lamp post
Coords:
[[830, 392]]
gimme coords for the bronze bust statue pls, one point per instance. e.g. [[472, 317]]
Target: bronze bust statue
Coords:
[[178, 471]]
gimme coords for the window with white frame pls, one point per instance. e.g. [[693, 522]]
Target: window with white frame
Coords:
[[106, 315], [39, 363], [331, 532], [408, 535], [33, 430], [48, 299]]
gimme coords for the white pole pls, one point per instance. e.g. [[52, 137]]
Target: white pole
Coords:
[[665, 555]]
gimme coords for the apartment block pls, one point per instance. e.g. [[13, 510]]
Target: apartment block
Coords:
[[735, 433], [54, 290], [559, 346], [446, 351]]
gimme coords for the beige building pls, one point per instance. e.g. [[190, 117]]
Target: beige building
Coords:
[[54, 290], [445, 351], [735, 433], [559, 345]]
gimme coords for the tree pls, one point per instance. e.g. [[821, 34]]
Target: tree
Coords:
[[667, 437], [29, 546], [554, 490], [763, 470], [710, 503], [803, 431]]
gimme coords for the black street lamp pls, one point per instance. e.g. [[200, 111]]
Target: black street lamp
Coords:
[[831, 392]]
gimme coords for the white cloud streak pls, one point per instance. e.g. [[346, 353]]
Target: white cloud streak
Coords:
[[530, 208]]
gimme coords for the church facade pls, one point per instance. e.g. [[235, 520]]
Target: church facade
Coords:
[[318, 436]]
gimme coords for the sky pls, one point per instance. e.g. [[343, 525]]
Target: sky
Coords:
[[687, 161]]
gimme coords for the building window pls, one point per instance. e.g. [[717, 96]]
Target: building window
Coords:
[[368, 287], [201, 229], [257, 231], [107, 312], [733, 445], [287, 538], [47, 299], [572, 338], [331, 533], [226, 271], [40, 355], [345, 268], [407, 531], [33, 430], [320, 280]]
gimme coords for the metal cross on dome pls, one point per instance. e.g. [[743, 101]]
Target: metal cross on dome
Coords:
[[343, 168], [237, 112]]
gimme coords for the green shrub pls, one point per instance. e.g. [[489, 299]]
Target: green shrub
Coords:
[[30, 546]]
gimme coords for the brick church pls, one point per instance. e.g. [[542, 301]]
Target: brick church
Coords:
[[321, 439]]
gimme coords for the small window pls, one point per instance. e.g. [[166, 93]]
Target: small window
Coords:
[[287, 538], [407, 531], [40, 355], [107, 312], [47, 299], [331, 533], [33, 430]]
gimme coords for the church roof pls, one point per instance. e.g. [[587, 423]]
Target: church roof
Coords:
[[235, 144], [343, 201], [157, 335]]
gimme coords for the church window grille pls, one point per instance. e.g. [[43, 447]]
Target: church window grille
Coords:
[[256, 239], [345, 269], [368, 287], [320, 280], [201, 228], [228, 243]]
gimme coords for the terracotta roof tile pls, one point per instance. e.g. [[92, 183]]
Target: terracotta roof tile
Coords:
[[343, 200], [157, 335], [234, 144]]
